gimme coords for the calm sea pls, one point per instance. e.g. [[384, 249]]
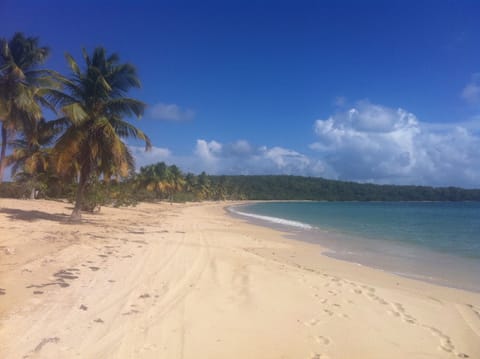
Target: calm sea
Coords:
[[432, 241]]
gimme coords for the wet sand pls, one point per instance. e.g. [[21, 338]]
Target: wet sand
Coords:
[[190, 281]]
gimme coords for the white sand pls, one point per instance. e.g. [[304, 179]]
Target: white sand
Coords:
[[188, 281]]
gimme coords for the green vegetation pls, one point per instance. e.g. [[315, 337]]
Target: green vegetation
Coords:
[[162, 182], [84, 146], [23, 87], [95, 105], [81, 155], [319, 189]]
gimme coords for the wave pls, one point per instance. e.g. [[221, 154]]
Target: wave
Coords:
[[277, 220]]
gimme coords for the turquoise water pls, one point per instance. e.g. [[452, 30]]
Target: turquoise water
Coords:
[[437, 241]]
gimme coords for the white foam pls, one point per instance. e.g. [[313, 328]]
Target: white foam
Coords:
[[285, 222]]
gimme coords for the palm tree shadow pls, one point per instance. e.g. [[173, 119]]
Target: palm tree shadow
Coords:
[[32, 216]]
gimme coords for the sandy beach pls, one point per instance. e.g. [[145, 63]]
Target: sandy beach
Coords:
[[190, 281]]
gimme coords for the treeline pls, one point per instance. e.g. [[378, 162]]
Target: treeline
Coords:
[[281, 187], [162, 182]]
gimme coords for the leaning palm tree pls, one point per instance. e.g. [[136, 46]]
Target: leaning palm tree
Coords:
[[95, 105], [23, 86]]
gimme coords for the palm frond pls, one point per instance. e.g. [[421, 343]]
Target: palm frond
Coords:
[[125, 107], [73, 64], [75, 112], [125, 130]]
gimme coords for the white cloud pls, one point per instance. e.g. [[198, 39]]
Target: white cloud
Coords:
[[284, 158], [471, 92], [241, 157], [368, 143], [154, 155], [207, 153], [379, 144], [241, 147], [171, 112]]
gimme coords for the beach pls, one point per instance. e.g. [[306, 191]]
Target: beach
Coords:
[[190, 281]]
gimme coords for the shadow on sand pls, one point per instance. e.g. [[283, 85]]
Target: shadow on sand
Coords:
[[31, 216]]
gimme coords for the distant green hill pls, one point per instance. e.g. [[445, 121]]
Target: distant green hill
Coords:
[[281, 187]]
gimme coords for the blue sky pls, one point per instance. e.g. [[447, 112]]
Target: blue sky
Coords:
[[377, 91]]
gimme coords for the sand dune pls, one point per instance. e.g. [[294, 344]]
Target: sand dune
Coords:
[[189, 281]]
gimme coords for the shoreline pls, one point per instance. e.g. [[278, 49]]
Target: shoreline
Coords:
[[377, 254], [191, 281]]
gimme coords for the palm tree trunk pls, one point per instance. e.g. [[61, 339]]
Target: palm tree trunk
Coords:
[[82, 185], [3, 152]]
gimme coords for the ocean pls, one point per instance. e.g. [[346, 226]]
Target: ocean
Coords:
[[437, 242]]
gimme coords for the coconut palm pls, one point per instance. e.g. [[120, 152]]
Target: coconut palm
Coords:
[[204, 186], [155, 178], [22, 86], [95, 105], [31, 157], [176, 180]]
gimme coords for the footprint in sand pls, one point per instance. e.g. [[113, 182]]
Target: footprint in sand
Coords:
[[311, 322], [132, 311], [409, 319], [399, 307], [381, 301], [446, 344], [44, 341], [3, 291], [66, 273], [474, 309], [322, 340], [318, 356], [393, 312], [328, 312]]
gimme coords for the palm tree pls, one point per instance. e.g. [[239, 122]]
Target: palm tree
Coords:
[[204, 186], [176, 179], [155, 178], [31, 155], [95, 104], [22, 86]]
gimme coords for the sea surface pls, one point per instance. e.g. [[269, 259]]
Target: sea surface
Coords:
[[432, 241]]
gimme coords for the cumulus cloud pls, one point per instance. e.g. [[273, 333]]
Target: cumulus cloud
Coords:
[[171, 112], [471, 92], [156, 154], [241, 147], [241, 157], [379, 144], [207, 153], [367, 143]]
